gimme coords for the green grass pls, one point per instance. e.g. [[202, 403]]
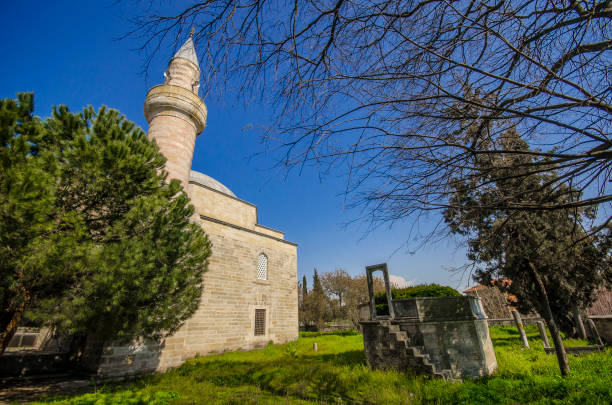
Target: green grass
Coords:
[[337, 374]]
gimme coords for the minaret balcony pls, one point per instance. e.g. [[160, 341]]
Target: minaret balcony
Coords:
[[166, 99]]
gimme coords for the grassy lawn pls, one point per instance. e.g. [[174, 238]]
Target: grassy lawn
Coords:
[[337, 374]]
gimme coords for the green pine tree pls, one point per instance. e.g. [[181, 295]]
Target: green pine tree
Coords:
[[93, 239]]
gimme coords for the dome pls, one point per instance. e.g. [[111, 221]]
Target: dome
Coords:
[[207, 181]]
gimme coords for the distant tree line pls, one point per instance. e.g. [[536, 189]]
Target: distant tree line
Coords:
[[334, 296]]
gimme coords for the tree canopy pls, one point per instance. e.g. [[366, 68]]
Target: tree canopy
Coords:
[[387, 88], [337, 297], [554, 264], [337, 283], [93, 238]]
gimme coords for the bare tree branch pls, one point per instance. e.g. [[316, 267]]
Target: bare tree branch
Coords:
[[407, 94]]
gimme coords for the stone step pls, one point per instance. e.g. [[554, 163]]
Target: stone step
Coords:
[[393, 328], [399, 336], [401, 344], [420, 350]]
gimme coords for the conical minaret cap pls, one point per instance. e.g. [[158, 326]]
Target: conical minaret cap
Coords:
[[188, 52]]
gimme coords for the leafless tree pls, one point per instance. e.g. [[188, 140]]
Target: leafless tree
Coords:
[[405, 94], [337, 284]]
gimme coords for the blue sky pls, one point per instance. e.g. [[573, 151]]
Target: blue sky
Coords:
[[68, 52]]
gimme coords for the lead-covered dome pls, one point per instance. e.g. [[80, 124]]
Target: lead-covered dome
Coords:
[[207, 181]]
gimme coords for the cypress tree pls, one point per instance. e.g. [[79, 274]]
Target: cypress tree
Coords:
[[318, 302], [317, 287], [304, 286]]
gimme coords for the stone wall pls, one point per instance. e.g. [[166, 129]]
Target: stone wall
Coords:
[[213, 204], [526, 320], [121, 359], [232, 292], [32, 362], [225, 319], [603, 323], [493, 301]]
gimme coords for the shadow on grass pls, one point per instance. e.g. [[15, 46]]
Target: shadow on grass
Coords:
[[311, 377], [507, 341], [349, 358]]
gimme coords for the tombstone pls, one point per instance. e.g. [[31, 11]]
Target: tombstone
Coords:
[[543, 334], [579, 324], [519, 325]]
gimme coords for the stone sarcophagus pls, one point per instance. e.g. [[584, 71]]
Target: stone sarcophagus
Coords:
[[445, 337]]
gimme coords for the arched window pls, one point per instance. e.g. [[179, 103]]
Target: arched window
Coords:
[[262, 267]]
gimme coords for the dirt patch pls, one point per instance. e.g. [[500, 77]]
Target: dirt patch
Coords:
[[24, 390]]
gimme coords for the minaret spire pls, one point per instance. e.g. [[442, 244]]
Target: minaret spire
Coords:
[[175, 113], [188, 51]]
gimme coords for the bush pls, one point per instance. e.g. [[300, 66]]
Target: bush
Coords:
[[417, 291], [346, 332]]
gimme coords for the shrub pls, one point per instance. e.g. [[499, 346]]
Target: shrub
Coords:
[[347, 332], [417, 291]]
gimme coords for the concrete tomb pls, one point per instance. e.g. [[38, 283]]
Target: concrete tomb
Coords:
[[446, 337]]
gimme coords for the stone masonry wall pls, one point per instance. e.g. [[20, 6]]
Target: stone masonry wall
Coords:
[[217, 205], [232, 292], [225, 320]]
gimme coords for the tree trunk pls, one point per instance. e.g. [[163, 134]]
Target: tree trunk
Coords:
[[7, 334], [559, 348], [579, 323], [552, 326]]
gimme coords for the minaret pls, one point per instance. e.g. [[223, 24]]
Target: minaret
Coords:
[[175, 113]]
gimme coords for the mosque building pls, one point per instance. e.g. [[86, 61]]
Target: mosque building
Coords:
[[250, 288]]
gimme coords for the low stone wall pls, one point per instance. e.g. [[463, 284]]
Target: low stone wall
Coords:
[[335, 327], [121, 359], [330, 327], [603, 323], [528, 320], [35, 351], [32, 362]]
